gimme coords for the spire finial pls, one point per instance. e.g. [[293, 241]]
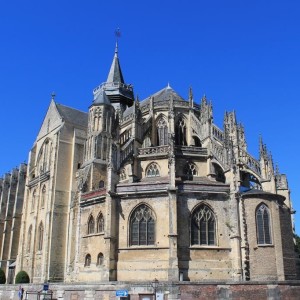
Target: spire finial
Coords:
[[53, 96], [117, 35]]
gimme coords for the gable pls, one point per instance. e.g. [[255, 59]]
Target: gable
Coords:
[[51, 121]]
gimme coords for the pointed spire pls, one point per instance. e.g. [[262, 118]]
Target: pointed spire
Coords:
[[115, 73]]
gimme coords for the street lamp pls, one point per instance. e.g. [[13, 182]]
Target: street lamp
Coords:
[[155, 285]]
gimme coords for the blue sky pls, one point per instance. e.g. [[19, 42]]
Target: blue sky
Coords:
[[244, 55]]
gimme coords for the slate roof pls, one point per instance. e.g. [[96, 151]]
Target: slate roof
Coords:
[[101, 98], [163, 95], [72, 115], [115, 73]]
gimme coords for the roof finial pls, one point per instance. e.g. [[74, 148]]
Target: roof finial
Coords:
[[53, 96], [118, 35]]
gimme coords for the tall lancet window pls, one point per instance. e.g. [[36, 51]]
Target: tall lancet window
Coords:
[[203, 226], [40, 237], [99, 146], [180, 132], [29, 235], [263, 225], [162, 132], [33, 200], [91, 225], [142, 226], [100, 223], [43, 197]]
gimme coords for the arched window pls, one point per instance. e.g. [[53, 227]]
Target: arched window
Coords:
[[142, 226], [87, 261], [91, 225], [162, 132], [33, 200], [100, 223], [263, 225], [196, 141], [190, 169], [180, 132], [100, 259], [219, 173], [41, 237], [203, 226], [101, 184], [29, 238], [43, 197], [152, 170]]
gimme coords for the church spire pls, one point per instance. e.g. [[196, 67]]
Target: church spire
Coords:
[[118, 92], [115, 74]]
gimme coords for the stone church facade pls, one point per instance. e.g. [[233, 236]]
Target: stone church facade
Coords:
[[136, 190]]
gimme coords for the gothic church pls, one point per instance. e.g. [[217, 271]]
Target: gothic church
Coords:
[[136, 190]]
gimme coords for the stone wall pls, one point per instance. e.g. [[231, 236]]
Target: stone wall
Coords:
[[288, 290]]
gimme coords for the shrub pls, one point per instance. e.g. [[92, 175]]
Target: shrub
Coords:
[[2, 277], [22, 277]]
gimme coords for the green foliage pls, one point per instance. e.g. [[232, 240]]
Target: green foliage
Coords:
[[2, 277], [22, 277]]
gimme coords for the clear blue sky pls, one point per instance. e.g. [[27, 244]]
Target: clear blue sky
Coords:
[[243, 55]]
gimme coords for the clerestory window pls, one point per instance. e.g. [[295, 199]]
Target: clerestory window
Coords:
[[162, 132], [180, 132]]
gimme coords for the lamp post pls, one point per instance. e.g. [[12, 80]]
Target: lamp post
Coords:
[[155, 284]]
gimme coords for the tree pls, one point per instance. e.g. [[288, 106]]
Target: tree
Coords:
[[2, 277], [22, 277]]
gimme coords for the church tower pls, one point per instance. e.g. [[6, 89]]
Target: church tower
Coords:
[[98, 176]]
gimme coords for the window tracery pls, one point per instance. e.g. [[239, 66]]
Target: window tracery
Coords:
[[203, 227], [142, 226], [162, 132], [152, 170], [180, 132], [190, 169], [263, 227]]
